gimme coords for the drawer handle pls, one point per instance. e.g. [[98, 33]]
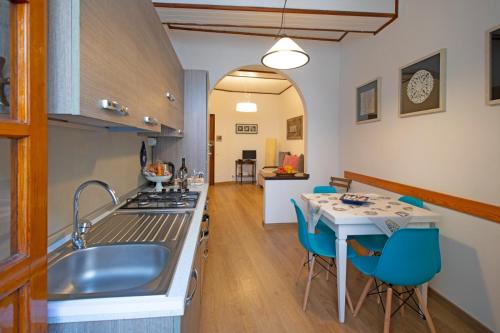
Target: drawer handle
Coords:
[[189, 299], [150, 121], [114, 106], [170, 96]]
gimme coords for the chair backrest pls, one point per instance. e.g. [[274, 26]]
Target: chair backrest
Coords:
[[341, 182], [324, 189], [412, 201], [410, 257], [302, 227]]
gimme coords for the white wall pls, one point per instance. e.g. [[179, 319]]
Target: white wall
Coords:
[[317, 84], [76, 156], [292, 108], [456, 152]]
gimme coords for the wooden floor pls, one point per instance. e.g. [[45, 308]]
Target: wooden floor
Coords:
[[250, 279]]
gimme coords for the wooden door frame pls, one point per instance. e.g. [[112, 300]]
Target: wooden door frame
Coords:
[[23, 276], [211, 149]]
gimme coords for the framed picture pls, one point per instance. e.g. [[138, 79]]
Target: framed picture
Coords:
[[294, 128], [247, 129], [422, 85], [493, 66], [368, 102]]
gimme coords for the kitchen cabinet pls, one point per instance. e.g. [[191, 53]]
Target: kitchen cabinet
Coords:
[[116, 51], [192, 143], [190, 321]]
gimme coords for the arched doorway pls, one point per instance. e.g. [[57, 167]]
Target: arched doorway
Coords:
[[277, 127]]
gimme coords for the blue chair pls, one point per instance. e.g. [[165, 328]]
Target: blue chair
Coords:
[[318, 245], [375, 243], [321, 226], [412, 201], [411, 257]]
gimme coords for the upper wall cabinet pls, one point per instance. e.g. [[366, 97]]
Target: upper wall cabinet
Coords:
[[112, 64]]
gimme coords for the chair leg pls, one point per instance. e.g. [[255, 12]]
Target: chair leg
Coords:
[[387, 317], [330, 265], [349, 300], [402, 309], [302, 264], [362, 298], [379, 290], [308, 287], [423, 306]]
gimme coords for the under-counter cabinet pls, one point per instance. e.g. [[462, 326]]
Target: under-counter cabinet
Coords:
[[111, 64]]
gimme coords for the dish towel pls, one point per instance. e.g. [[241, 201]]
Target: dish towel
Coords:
[[390, 225]]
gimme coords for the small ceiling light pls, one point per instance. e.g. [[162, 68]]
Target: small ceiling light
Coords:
[[285, 53], [246, 107]]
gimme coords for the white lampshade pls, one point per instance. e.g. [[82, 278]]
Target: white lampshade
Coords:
[[285, 54], [246, 107]]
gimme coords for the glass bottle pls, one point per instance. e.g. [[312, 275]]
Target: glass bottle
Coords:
[[183, 174]]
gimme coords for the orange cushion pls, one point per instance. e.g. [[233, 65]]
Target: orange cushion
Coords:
[[291, 160]]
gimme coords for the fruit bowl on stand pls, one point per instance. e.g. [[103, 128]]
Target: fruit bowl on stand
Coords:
[[158, 180]]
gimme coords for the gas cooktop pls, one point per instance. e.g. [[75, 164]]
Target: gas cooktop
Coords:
[[163, 200]]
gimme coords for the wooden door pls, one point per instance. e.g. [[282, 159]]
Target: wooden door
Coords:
[[211, 150], [23, 166]]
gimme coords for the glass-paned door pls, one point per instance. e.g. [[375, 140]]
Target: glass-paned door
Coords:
[[5, 58], [23, 166]]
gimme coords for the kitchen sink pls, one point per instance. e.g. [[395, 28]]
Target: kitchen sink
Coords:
[[108, 269], [129, 254]]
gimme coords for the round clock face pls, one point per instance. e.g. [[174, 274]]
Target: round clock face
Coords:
[[420, 86]]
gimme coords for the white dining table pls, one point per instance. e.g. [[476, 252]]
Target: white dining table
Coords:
[[351, 220]]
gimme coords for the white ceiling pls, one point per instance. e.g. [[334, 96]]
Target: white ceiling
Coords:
[[322, 20], [254, 79], [381, 6]]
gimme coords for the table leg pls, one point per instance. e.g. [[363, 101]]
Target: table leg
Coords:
[[341, 247]]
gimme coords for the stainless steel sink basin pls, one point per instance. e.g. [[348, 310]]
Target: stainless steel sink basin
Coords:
[[129, 254], [109, 270]]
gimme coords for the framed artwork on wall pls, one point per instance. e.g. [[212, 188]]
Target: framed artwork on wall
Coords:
[[294, 129], [247, 128], [422, 85], [493, 66], [368, 102]]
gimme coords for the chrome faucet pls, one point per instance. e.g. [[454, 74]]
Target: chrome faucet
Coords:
[[79, 229]]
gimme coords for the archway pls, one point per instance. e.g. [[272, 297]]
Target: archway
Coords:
[[280, 122]]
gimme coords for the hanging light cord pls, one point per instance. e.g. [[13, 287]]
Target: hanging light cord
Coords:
[[282, 19]]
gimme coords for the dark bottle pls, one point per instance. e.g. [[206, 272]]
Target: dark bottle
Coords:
[[183, 174]]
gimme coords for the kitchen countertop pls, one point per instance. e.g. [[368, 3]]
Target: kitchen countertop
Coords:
[[133, 307]]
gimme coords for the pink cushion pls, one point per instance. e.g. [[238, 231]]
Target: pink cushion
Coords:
[[291, 160]]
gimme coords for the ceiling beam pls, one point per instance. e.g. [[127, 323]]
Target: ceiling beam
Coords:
[[247, 92], [396, 14], [258, 78], [264, 27], [250, 33], [272, 10]]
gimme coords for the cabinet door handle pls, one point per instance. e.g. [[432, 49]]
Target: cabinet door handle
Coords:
[[170, 96], [150, 121], [107, 104], [189, 299]]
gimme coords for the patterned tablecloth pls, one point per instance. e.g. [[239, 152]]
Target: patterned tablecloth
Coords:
[[387, 213]]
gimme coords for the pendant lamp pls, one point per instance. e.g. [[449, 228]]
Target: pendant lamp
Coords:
[[285, 53]]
